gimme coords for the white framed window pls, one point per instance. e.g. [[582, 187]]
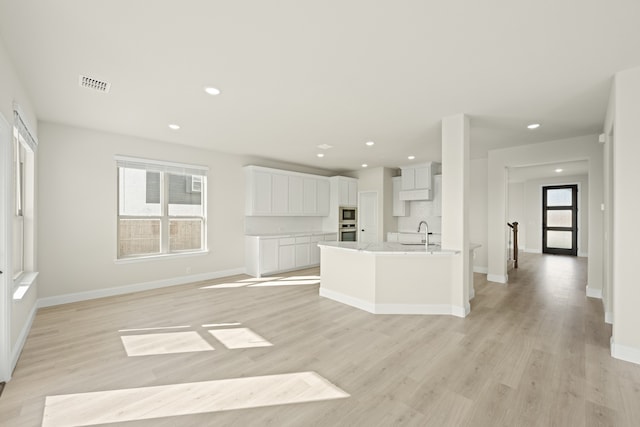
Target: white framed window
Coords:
[[160, 210], [23, 231]]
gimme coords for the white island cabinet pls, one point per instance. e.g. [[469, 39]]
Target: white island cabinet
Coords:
[[268, 254]]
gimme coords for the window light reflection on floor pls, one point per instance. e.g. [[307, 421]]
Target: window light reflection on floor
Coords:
[[239, 338], [119, 406], [164, 343], [267, 281]]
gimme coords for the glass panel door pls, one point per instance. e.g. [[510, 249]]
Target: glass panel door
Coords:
[[559, 219]]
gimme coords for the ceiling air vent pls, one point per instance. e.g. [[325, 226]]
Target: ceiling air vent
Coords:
[[95, 84]]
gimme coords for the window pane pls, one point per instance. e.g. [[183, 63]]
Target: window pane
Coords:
[[559, 218], [185, 234], [559, 239], [139, 192], [559, 197], [139, 236], [185, 195]]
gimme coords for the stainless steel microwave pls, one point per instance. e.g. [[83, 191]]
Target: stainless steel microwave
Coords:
[[348, 215]]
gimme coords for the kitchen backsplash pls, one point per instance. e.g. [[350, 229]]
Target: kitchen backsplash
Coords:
[[420, 210]]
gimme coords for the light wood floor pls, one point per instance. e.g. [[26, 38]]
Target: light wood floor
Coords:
[[534, 352]]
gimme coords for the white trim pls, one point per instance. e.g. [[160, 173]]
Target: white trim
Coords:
[[583, 254], [6, 263], [22, 338], [623, 352], [159, 165], [499, 278], [480, 269], [432, 309], [608, 317], [137, 287], [155, 257], [594, 292], [348, 300]]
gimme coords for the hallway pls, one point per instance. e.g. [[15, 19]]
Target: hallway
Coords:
[[533, 352]]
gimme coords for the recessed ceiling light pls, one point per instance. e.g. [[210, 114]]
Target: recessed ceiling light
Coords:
[[320, 155], [212, 90], [558, 170], [534, 126], [174, 126], [369, 143], [364, 165], [411, 157], [325, 146]]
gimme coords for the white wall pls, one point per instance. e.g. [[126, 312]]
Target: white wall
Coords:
[[516, 212], [625, 342], [19, 313], [78, 234], [478, 212], [571, 149]]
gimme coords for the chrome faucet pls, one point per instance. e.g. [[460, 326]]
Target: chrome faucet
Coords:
[[426, 228]]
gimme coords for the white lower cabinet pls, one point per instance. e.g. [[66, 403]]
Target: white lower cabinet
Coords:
[[266, 255]]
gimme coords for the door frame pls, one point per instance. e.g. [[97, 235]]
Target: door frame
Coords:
[[574, 220], [6, 282], [360, 211]]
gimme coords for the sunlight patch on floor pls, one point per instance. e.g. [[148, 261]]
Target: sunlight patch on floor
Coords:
[[118, 406], [160, 328], [268, 281], [239, 338], [164, 343]]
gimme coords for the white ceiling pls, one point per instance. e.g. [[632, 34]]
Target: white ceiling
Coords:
[[529, 173], [296, 74]]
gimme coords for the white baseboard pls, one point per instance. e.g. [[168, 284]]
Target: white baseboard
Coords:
[[532, 251], [479, 269], [608, 317], [437, 309], [583, 254], [137, 287], [348, 300], [594, 292], [497, 278], [622, 352], [22, 337]]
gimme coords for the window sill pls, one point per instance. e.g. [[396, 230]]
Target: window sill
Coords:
[[133, 260], [22, 284]]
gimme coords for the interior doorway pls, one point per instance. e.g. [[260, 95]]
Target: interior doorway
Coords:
[[560, 219]]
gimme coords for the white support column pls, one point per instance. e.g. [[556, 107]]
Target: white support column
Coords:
[[455, 209]]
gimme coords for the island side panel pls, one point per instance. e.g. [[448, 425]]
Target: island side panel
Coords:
[[413, 284], [348, 276]]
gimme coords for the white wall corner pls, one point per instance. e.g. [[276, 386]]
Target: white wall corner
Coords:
[[138, 287], [608, 317], [594, 292], [472, 294], [480, 269], [499, 278], [22, 338], [622, 352]]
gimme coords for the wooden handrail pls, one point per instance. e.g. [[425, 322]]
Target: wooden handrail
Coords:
[[514, 228]]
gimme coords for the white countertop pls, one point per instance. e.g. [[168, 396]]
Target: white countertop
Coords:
[[394, 248], [291, 234]]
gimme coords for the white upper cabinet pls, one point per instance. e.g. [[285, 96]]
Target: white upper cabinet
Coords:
[[417, 181], [322, 197], [399, 206], [274, 192], [348, 191]]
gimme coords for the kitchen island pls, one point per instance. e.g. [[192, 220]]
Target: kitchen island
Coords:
[[392, 278]]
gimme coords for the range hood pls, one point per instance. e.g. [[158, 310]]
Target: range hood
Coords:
[[424, 194]]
